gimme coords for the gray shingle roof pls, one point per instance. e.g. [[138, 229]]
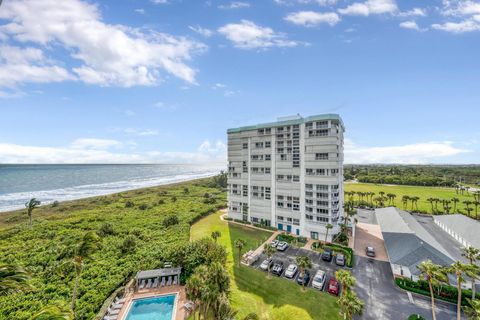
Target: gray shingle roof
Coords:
[[150, 274], [466, 227], [407, 242]]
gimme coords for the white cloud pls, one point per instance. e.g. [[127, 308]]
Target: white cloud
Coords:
[[248, 35], [416, 153], [311, 18], [410, 25], [234, 5], [458, 27], [96, 144], [202, 31], [159, 1], [370, 7], [207, 153], [141, 133], [293, 2], [140, 11], [115, 55], [415, 12]]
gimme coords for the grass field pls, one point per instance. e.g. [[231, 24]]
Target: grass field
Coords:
[[423, 192], [252, 292]]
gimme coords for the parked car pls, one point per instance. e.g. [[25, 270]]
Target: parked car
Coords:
[[291, 271], [327, 255], [266, 264], [274, 243], [333, 287], [282, 246], [340, 259], [303, 277], [370, 251], [319, 280], [277, 268]]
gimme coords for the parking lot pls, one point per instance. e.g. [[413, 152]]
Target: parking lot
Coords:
[[288, 256]]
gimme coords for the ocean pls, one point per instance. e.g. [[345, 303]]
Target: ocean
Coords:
[[48, 183]]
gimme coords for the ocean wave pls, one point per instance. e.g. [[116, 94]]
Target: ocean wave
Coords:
[[17, 200]]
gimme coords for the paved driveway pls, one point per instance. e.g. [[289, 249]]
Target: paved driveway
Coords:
[[370, 235], [384, 300]]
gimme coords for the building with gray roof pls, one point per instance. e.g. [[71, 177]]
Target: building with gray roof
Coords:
[[463, 229], [408, 243]]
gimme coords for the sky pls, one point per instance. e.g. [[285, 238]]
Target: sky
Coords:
[[160, 81]]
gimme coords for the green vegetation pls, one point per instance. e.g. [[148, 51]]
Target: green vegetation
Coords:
[[252, 291], [414, 175], [130, 239], [347, 251], [429, 200]]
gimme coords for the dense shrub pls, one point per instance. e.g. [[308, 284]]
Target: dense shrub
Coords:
[[106, 229], [55, 204], [129, 244], [143, 206], [129, 204], [161, 201], [170, 221]]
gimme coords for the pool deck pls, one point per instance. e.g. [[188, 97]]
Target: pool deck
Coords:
[[180, 312]]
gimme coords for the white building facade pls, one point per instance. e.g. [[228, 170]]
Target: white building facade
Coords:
[[288, 174]]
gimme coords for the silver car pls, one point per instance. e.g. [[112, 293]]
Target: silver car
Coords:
[[266, 263], [291, 271], [282, 246], [319, 280]]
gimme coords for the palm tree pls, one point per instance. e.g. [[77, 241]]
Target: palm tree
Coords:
[[350, 305], [13, 279], [215, 235], [446, 206], [431, 203], [56, 311], [467, 204], [346, 280], [476, 204], [434, 274], [472, 311], [455, 201], [304, 263], [405, 200], [30, 205], [459, 270], [90, 243], [391, 197], [269, 250], [472, 255], [327, 227], [193, 289], [415, 202], [239, 244]]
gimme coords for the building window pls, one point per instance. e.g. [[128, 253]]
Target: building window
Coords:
[[267, 170], [267, 144], [245, 146], [321, 156], [267, 157]]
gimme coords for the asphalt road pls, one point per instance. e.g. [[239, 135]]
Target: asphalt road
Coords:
[[384, 300]]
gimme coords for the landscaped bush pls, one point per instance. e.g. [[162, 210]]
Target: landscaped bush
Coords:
[[143, 206], [262, 226], [347, 251], [415, 317], [170, 221], [106, 229], [129, 244], [445, 292], [129, 204]]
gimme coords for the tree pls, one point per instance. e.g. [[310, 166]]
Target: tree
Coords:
[[90, 243], [129, 244], [239, 244], [56, 311], [467, 204], [13, 279], [434, 274], [391, 197], [455, 201], [431, 200], [446, 206], [405, 200], [193, 290], [472, 255], [304, 263], [459, 270], [215, 235], [472, 311], [327, 227], [476, 204], [31, 205], [346, 280], [269, 250], [350, 305]]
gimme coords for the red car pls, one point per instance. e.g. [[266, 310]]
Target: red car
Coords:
[[333, 287]]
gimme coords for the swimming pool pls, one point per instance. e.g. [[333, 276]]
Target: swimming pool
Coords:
[[154, 308]]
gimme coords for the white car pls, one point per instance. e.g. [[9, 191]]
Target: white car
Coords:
[[319, 280], [291, 271], [282, 246], [266, 263], [274, 243]]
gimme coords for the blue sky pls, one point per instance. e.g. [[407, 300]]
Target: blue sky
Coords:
[[161, 81]]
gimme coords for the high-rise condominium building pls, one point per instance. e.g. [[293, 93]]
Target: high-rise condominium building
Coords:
[[288, 174]]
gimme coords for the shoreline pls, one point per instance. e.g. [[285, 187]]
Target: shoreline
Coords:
[[4, 213]]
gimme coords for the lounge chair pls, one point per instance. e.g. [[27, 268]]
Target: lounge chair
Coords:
[[189, 305], [163, 282], [142, 284], [114, 317], [116, 305], [155, 283], [113, 311], [169, 282], [175, 280], [119, 300], [149, 284]]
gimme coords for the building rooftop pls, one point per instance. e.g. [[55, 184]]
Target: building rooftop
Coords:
[[407, 242], [465, 227], [150, 274], [287, 121]]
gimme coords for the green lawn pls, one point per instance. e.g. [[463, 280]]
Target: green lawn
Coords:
[[252, 292], [423, 192]]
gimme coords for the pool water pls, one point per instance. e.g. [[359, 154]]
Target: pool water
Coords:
[[155, 308]]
